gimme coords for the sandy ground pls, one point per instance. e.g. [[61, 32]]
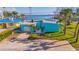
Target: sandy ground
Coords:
[[23, 44]]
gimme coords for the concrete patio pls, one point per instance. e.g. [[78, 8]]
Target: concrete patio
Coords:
[[23, 44]]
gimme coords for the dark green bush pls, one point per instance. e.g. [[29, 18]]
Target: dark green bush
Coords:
[[34, 36], [5, 34]]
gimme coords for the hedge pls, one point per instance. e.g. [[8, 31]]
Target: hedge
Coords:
[[5, 34], [36, 36]]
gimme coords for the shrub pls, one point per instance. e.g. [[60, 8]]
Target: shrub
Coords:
[[34, 36], [5, 34]]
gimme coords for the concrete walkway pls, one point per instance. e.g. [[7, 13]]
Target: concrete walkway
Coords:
[[23, 44]]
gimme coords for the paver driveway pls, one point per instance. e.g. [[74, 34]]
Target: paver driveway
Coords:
[[23, 44]]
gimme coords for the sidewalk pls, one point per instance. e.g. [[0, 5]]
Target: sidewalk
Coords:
[[35, 45]]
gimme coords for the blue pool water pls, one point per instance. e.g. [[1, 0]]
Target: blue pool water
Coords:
[[7, 20], [43, 27], [51, 27], [48, 27]]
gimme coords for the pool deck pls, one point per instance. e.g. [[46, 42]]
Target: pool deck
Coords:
[[23, 44]]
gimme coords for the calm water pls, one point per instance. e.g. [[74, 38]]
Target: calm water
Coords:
[[42, 28], [38, 17]]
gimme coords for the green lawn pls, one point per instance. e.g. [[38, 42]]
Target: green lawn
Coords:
[[60, 36], [69, 36], [5, 34]]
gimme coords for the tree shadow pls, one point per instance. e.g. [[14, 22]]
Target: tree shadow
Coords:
[[74, 41], [44, 46], [18, 40], [59, 35], [68, 38]]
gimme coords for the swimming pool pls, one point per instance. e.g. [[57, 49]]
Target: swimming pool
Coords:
[[42, 27], [7, 20]]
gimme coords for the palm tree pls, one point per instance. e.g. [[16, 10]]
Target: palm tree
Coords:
[[77, 23], [6, 14], [3, 12], [69, 14], [14, 14], [66, 13], [76, 29], [22, 16], [77, 35]]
